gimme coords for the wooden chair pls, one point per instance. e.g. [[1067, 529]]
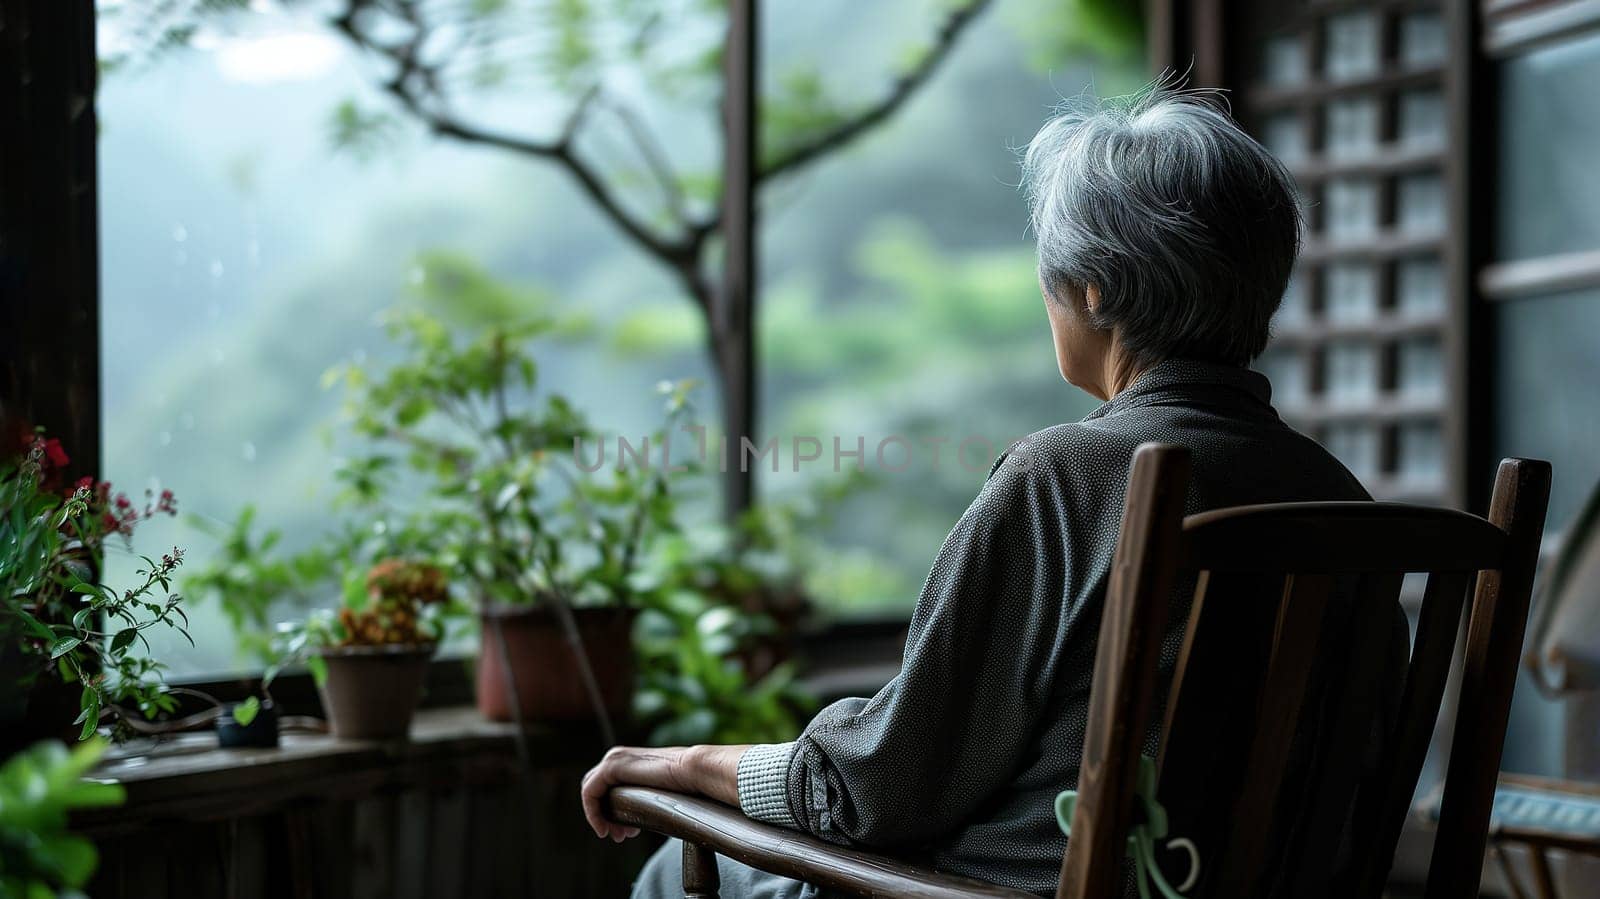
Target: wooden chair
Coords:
[[1291, 623]]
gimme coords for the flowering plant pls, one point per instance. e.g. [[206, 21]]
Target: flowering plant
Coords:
[[404, 603], [398, 594], [55, 616]]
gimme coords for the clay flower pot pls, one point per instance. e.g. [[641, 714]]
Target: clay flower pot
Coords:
[[371, 691], [547, 679]]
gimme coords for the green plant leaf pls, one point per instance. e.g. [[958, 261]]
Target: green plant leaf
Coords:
[[245, 712], [319, 669], [64, 645], [123, 639], [91, 719]]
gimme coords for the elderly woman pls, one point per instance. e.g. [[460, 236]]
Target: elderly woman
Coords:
[[1165, 240]]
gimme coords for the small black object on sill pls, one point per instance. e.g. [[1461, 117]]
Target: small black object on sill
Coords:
[[260, 733]]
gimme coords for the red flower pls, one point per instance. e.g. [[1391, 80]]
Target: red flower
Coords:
[[54, 452], [48, 453]]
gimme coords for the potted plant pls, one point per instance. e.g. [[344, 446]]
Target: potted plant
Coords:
[[459, 459], [370, 658], [544, 547], [62, 631]]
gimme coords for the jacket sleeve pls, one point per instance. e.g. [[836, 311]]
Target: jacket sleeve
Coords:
[[952, 728]]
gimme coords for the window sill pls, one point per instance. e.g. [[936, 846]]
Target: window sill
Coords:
[[190, 778]]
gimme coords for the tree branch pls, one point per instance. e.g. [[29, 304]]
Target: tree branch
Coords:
[[904, 87], [416, 85], [654, 155], [681, 255]]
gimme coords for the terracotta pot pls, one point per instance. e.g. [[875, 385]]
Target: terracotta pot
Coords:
[[372, 691], [548, 683]]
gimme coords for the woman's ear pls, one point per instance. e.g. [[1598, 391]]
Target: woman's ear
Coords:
[[1091, 298]]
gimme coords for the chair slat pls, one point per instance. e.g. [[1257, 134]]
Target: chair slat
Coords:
[[1385, 802], [1212, 708], [1302, 619], [1355, 690], [1488, 676]]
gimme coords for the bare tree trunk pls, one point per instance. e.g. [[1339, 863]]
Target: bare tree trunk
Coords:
[[735, 303]]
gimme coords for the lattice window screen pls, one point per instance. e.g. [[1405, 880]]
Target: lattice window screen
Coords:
[[1352, 96]]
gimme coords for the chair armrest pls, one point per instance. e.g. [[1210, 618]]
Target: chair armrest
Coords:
[[726, 831]]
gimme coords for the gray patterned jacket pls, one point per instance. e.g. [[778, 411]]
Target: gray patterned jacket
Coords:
[[957, 761]]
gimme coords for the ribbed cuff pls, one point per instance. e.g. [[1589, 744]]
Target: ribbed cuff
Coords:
[[764, 783]]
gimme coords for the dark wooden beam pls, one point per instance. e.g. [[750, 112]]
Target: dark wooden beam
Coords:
[[1472, 172], [736, 319], [49, 250]]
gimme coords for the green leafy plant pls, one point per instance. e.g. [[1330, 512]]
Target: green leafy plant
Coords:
[[57, 617], [39, 856], [459, 459], [461, 424], [695, 685]]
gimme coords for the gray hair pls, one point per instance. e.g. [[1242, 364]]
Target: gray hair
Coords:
[[1187, 226]]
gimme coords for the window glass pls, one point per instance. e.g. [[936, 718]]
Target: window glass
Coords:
[[1350, 45], [1352, 207], [1421, 118], [1419, 286], [1293, 309], [1284, 60], [1419, 368], [1547, 366], [1285, 136], [1548, 363], [244, 253], [1549, 140], [1420, 203], [1350, 372], [1286, 369], [1350, 292], [1356, 445], [1420, 454], [892, 310], [1422, 40], [1351, 127]]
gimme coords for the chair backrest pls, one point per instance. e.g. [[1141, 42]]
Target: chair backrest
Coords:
[[1274, 758]]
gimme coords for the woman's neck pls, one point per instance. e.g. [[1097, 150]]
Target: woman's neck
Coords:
[[1119, 371]]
